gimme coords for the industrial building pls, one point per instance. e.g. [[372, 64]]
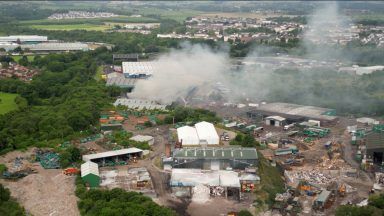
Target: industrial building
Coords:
[[210, 158], [138, 69], [276, 121], [216, 183], [121, 81], [204, 133], [122, 155], [90, 174], [375, 146], [47, 47], [24, 38], [294, 112], [139, 104], [132, 57]]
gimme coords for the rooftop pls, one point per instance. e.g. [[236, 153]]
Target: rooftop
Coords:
[[139, 104], [111, 153], [298, 110], [193, 177], [217, 153], [89, 168], [147, 68], [141, 138], [375, 140]]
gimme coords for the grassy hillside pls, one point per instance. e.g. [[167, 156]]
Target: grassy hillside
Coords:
[[7, 102]]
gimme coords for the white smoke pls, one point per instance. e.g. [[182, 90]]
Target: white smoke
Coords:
[[180, 70]]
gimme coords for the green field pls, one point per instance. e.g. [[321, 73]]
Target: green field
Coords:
[[95, 21], [7, 102], [17, 58], [87, 27]]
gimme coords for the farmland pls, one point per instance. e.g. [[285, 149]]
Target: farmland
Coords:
[[7, 102]]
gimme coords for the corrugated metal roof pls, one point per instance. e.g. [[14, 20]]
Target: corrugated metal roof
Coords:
[[147, 68], [217, 153], [375, 140], [111, 153], [89, 167]]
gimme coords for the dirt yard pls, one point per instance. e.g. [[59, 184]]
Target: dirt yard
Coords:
[[47, 192]]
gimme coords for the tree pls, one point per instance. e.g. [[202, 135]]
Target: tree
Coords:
[[244, 213], [23, 61]]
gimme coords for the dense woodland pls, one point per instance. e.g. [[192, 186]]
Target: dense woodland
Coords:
[[63, 100], [96, 202]]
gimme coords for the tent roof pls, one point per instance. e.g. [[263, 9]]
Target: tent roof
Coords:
[[89, 167]]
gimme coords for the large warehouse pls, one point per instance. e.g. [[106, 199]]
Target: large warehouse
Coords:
[[24, 38], [139, 104], [210, 158], [138, 69], [294, 112], [204, 133]]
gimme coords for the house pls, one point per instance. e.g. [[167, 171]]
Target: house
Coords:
[[90, 174]]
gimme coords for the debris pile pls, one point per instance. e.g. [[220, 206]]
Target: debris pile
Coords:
[[217, 191], [311, 176], [200, 194], [48, 160]]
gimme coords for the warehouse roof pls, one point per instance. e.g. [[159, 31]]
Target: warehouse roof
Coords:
[[298, 110], [239, 153], [23, 38], [138, 67], [139, 104], [193, 177], [375, 140], [206, 131], [56, 46], [121, 82], [89, 167], [111, 153]]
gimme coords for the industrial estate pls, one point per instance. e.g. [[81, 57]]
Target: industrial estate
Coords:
[[192, 109]]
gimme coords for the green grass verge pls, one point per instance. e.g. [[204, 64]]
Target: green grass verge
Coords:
[[99, 72], [7, 102], [29, 57], [271, 182]]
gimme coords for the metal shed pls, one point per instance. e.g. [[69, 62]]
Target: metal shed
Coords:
[[90, 174]]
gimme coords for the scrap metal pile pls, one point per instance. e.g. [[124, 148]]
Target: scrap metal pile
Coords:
[[48, 159], [311, 176]]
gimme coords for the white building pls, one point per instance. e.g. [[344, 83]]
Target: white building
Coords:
[[138, 69], [276, 121], [204, 133], [187, 135], [24, 38]]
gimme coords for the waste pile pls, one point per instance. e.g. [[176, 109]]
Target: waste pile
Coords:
[[48, 159], [311, 176], [217, 191]]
